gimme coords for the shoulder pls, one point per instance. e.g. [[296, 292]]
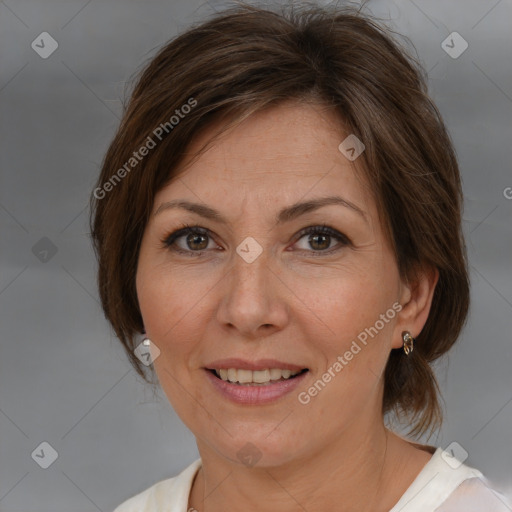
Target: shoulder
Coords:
[[172, 493], [447, 485], [476, 495]]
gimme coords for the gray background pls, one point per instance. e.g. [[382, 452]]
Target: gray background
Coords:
[[64, 378]]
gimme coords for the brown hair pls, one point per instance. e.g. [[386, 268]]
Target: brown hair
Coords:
[[249, 58]]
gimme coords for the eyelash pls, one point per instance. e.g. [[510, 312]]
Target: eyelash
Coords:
[[169, 241]]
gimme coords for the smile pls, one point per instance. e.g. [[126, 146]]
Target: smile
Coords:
[[254, 387], [258, 377]]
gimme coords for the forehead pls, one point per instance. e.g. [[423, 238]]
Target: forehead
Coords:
[[283, 153]]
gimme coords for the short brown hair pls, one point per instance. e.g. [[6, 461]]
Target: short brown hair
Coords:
[[247, 58]]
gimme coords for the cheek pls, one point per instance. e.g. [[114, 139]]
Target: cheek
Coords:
[[169, 300], [351, 320], [342, 306], [171, 309], [173, 304]]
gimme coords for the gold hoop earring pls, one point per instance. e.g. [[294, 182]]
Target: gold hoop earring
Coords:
[[408, 342]]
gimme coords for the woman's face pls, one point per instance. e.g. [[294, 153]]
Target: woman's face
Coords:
[[253, 290]]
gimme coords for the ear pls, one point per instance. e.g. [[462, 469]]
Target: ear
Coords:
[[416, 295]]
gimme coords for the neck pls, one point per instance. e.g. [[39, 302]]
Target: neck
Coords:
[[353, 473]]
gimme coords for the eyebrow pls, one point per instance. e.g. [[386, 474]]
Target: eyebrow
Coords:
[[285, 215]]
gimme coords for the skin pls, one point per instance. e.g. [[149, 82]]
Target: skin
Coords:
[[303, 300]]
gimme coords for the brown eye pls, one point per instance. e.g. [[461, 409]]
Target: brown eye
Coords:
[[195, 240], [320, 239]]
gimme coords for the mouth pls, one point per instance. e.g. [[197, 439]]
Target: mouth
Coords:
[[264, 377], [254, 382]]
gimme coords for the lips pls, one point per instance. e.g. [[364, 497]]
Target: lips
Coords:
[[254, 382], [260, 364]]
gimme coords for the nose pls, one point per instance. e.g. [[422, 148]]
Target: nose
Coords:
[[254, 298]]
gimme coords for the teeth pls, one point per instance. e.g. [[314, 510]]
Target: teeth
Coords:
[[275, 374], [261, 376], [254, 377], [244, 376]]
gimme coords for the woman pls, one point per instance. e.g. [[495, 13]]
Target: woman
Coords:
[[279, 216]]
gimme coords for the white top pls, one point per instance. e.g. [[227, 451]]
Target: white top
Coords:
[[443, 485]]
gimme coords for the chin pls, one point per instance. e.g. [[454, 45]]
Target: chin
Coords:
[[260, 448]]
